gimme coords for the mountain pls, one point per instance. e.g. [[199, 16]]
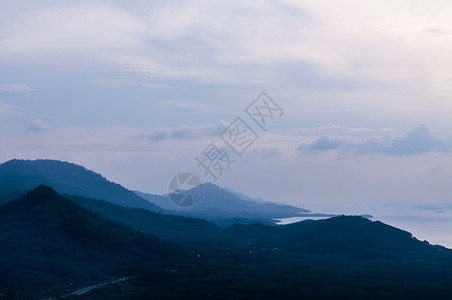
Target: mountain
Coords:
[[164, 226], [218, 200], [219, 204], [350, 236], [245, 197], [340, 258], [50, 244], [19, 176], [160, 201], [49, 241]]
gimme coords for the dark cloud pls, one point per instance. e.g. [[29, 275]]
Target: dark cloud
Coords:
[[157, 135], [419, 140], [186, 132], [323, 143]]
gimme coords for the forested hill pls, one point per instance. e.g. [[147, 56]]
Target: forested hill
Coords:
[[48, 241]]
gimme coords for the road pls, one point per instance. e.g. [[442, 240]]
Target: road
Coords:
[[90, 288]]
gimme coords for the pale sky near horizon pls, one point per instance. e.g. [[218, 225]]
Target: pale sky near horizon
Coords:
[[135, 91]]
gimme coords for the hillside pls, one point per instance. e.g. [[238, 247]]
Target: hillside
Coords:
[[168, 227], [19, 176], [219, 204], [51, 245], [340, 258], [350, 236], [48, 241]]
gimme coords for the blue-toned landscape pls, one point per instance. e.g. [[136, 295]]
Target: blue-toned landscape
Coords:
[[225, 149]]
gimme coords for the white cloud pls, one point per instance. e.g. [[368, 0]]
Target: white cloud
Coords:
[[8, 109], [14, 88], [237, 42], [188, 105], [72, 28], [37, 126], [340, 129], [121, 82]]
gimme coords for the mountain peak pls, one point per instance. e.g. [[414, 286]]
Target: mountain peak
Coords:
[[42, 193], [67, 178], [217, 203], [43, 189]]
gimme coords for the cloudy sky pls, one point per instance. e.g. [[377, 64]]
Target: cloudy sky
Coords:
[[136, 91]]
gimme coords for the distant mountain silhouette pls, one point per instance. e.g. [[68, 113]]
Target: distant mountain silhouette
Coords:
[[219, 204], [19, 176], [245, 197], [160, 201], [48, 241]]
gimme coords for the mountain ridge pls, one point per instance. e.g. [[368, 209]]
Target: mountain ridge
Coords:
[[49, 241], [218, 203], [18, 176]]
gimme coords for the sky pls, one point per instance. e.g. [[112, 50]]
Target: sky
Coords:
[[136, 91]]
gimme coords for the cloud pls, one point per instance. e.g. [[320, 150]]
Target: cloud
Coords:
[[437, 32], [8, 109], [157, 135], [188, 105], [309, 43], [14, 88], [37, 126], [120, 82], [88, 27], [323, 143], [338, 129], [186, 132], [202, 41], [364, 129], [419, 140]]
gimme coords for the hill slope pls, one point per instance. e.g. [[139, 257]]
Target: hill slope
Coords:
[[218, 203], [350, 236], [168, 227], [19, 176], [47, 240]]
